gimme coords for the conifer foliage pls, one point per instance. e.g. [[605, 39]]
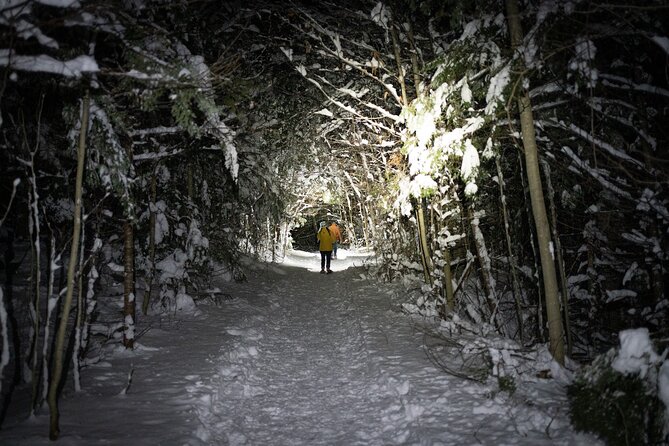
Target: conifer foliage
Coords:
[[214, 128]]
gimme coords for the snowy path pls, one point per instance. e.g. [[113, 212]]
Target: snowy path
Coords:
[[324, 360], [300, 370], [295, 358]]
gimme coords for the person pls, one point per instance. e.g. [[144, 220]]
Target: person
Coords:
[[336, 236], [325, 241]]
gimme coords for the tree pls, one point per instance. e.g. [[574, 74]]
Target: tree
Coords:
[[530, 149], [59, 347]]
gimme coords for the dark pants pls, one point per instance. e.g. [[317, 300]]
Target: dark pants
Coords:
[[334, 248], [326, 256]]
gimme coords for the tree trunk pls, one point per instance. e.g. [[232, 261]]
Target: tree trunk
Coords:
[[363, 221], [34, 228], [129, 304], [36, 279], [535, 255], [5, 309], [424, 245], [189, 182], [59, 348], [398, 60], [90, 295], [448, 281], [560, 259], [128, 285], [483, 257], [555, 333], [47, 322], [152, 243], [76, 351], [414, 60], [4, 334], [513, 265], [351, 228]]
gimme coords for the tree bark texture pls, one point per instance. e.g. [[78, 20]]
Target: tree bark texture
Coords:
[[128, 285], [129, 301], [513, 265], [398, 60], [555, 334], [59, 348], [79, 321], [560, 259], [152, 243], [541, 332], [34, 229], [487, 279], [448, 281], [424, 245], [414, 60]]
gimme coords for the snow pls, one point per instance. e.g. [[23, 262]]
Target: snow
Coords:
[[47, 64], [663, 42], [636, 352], [162, 226], [173, 266], [293, 357], [466, 93], [381, 15], [61, 3], [129, 325], [584, 166], [631, 271], [470, 29], [581, 63], [617, 152], [421, 183], [496, 89], [325, 112], [27, 30], [469, 167], [615, 81], [615, 295]]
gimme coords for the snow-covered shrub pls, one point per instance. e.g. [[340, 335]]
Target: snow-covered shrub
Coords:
[[621, 396], [173, 276], [197, 246]]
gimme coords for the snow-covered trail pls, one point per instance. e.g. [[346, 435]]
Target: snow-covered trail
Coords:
[[293, 358], [299, 369], [314, 359]]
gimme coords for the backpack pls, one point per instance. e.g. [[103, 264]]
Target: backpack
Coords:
[[318, 243]]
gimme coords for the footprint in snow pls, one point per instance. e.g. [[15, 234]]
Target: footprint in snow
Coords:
[[249, 334]]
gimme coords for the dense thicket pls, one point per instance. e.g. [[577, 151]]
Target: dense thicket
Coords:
[[420, 117], [216, 128]]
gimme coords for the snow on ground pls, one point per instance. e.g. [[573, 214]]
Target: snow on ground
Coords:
[[292, 357]]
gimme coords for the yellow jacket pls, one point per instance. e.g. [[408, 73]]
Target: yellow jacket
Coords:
[[325, 239]]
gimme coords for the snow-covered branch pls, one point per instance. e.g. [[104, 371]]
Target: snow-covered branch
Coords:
[[154, 156], [598, 142], [46, 64], [374, 123], [338, 54], [161, 130], [614, 81], [595, 173], [662, 42]]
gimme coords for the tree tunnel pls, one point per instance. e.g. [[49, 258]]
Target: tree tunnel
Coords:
[[508, 166]]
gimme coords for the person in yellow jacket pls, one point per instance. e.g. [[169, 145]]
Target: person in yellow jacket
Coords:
[[325, 242], [336, 236]]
